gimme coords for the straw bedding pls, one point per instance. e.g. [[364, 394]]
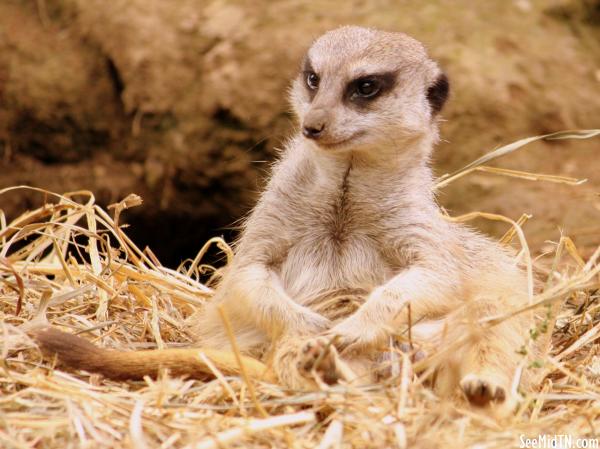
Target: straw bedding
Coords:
[[71, 263]]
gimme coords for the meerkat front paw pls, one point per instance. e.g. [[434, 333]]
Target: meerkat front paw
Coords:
[[319, 356], [351, 336], [308, 323], [481, 390]]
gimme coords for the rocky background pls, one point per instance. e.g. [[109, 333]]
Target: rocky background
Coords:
[[183, 102]]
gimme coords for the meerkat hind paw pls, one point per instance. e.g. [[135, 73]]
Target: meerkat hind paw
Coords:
[[481, 391]]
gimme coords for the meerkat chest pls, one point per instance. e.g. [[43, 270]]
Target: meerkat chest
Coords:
[[336, 244]]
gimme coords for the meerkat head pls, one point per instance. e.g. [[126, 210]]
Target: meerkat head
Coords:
[[361, 88]]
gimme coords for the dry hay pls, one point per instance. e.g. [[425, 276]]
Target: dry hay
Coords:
[[70, 262]]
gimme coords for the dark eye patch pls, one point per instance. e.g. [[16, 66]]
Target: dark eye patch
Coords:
[[365, 89]]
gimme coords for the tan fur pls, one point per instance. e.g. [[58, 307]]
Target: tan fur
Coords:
[[354, 211], [77, 352]]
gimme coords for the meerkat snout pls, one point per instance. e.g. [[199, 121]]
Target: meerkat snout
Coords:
[[314, 123], [361, 88]]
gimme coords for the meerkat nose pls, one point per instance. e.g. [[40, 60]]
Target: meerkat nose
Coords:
[[314, 123], [313, 132]]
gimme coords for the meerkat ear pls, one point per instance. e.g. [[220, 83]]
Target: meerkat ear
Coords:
[[437, 93]]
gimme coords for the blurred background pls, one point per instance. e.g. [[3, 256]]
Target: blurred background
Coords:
[[183, 102]]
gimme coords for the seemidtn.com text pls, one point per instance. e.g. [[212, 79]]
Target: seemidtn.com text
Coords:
[[558, 442]]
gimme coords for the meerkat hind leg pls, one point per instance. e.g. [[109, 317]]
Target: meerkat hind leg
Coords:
[[490, 360], [487, 368]]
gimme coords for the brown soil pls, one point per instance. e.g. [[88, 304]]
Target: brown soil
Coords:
[[183, 103]]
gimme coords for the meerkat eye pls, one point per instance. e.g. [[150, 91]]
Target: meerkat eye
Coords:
[[367, 88], [312, 80]]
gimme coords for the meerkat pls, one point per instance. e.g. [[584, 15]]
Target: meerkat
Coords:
[[348, 233]]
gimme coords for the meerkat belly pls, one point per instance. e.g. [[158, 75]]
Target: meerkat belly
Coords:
[[320, 263]]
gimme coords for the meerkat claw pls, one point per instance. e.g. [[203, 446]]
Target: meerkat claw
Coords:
[[319, 357], [481, 391]]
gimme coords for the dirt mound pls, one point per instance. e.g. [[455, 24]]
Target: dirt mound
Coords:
[[183, 104]]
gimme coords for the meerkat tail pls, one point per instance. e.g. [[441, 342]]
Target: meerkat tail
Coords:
[[78, 353]]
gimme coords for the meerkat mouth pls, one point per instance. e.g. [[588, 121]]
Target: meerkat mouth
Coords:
[[340, 143]]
